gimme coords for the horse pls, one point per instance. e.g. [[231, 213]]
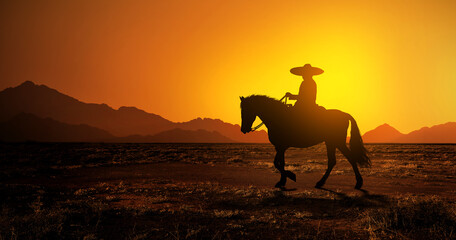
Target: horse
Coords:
[[289, 127]]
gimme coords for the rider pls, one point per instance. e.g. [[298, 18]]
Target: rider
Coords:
[[308, 89]]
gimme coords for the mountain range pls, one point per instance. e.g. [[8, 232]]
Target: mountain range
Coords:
[[51, 107], [443, 133], [31, 112]]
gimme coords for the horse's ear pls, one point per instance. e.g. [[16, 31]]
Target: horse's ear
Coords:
[[242, 98]]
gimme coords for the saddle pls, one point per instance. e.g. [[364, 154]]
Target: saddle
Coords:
[[306, 116]]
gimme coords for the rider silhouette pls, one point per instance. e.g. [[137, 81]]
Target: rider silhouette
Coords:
[[308, 89]]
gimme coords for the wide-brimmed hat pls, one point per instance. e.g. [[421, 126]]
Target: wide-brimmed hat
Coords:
[[307, 69]]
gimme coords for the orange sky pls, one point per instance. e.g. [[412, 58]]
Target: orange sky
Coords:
[[384, 61]]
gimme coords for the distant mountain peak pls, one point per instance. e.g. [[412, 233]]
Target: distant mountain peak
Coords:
[[129, 108], [28, 84], [382, 133], [386, 126]]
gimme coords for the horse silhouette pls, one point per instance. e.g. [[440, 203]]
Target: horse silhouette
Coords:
[[288, 127]]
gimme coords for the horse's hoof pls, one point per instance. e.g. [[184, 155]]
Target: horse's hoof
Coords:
[[291, 175], [280, 185], [319, 184], [359, 184]]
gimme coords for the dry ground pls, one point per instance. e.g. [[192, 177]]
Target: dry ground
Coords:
[[224, 201]]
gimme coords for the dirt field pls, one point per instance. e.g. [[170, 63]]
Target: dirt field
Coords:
[[230, 199]]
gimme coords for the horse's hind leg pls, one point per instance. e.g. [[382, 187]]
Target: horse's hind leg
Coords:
[[279, 163], [347, 153], [331, 152]]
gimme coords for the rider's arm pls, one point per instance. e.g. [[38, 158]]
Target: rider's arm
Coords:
[[291, 96]]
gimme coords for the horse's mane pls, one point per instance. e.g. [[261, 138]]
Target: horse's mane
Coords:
[[272, 103]]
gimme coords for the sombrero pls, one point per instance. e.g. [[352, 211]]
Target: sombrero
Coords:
[[307, 69]]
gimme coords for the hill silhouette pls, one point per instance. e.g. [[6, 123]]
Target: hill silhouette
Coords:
[[28, 127], [443, 133], [382, 134], [45, 102]]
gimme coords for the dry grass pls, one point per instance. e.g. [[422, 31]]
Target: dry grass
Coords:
[[413, 218], [175, 210]]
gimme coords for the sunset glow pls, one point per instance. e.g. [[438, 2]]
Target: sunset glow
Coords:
[[385, 61]]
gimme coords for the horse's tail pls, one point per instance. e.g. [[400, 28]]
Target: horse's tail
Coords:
[[358, 151]]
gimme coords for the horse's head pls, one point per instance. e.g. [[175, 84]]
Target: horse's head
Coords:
[[247, 114]]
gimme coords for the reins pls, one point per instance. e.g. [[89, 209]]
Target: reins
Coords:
[[262, 123]]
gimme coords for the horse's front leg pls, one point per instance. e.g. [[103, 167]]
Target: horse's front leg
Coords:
[[279, 163]]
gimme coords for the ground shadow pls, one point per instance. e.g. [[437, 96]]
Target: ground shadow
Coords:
[[334, 205]]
